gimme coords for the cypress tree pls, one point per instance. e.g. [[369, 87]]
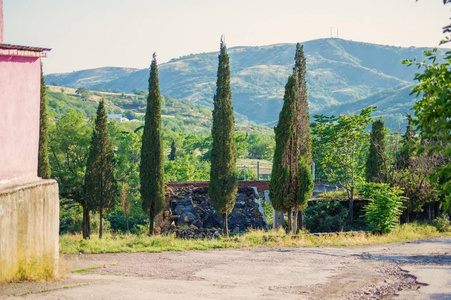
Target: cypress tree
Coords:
[[223, 181], [151, 169], [281, 191], [43, 155], [173, 150], [100, 183], [376, 155], [403, 157], [305, 178], [291, 180]]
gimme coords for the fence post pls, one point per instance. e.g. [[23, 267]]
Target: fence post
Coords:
[[258, 170]]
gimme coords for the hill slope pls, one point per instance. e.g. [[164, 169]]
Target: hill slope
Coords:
[[338, 72]]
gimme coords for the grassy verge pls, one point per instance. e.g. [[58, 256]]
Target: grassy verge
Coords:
[[73, 244]]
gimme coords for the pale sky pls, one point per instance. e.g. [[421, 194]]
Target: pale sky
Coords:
[[86, 34]]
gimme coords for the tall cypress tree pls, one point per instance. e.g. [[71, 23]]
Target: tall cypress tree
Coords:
[[223, 181], [403, 157], [375, 161], [100, 183], [281, 190], [151, 169], [291, 180], [305, 178], [43, 155]]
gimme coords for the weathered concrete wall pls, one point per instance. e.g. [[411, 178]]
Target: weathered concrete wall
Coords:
[[19, 121], [29, 223]]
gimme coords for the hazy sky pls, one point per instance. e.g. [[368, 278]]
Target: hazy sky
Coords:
[[95, 33]]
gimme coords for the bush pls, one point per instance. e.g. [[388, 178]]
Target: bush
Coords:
[[325, 216], [441, 222], [383, 211], [250, 174], [118, 222], [71, 219]]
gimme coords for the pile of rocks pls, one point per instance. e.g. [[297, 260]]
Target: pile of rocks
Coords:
[[188, 212]]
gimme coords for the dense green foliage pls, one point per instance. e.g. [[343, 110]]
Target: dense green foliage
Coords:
[[69, 149], [404, 155], [100, 186], [433, 113], [340, 148], [383, 211], [223, 182], [411, 172], [441, 222], [375, 162], [325, 216], [43, 154]]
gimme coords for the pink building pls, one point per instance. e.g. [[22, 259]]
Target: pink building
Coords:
[[29, 205]]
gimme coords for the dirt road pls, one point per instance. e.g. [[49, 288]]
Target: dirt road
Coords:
[[414, 270]]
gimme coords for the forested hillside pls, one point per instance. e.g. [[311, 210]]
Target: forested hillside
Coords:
[[339, 72]]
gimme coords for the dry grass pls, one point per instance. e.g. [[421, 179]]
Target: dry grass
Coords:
[[72, 244]]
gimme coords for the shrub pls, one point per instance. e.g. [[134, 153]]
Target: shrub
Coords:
[[441, 222], [384, 208], [325, 216]]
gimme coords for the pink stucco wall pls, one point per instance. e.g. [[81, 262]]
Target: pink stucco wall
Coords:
[[19, 116]]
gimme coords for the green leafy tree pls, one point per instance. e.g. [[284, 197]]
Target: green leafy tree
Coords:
[[383, 211], [128, 156], [432, 113], [261, 145], [433, 110], [151, 168], [43, 155], [83, 92], [342, 140], [125, 202], [100, 183], [69, 149], [291, 179], [411, 172], [376, 161], [223, 182]]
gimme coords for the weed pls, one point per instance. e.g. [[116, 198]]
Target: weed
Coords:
[[69, 244]]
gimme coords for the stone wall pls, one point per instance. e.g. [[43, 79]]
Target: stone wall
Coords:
[[29, 224], [190, 208]]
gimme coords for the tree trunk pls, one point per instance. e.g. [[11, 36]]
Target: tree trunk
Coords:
[[128, 230], [351, 207], [290, 224], [86, 222], [295, 221], [101, 224], [300, 221], [151, 220], [408, 216], [225, 225]]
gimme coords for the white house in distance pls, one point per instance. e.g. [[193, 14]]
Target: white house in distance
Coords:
[[117, 117]]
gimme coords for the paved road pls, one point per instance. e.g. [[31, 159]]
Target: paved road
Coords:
[[414, 270]]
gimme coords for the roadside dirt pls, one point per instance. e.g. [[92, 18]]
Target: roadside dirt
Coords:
[[414, 270]]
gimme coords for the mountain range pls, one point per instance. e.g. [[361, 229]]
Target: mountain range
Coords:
[[342, 77]]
